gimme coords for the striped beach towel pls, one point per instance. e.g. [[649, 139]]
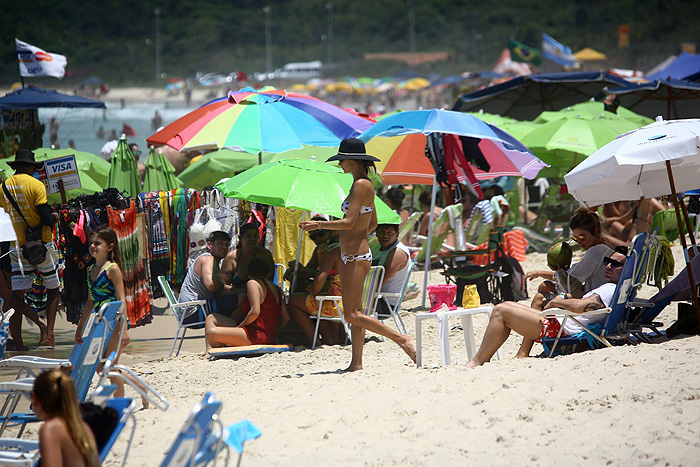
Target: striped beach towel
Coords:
[[514, 245]]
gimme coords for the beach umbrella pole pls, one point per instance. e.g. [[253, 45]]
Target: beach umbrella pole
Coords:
[[691, 279], [430, 234]]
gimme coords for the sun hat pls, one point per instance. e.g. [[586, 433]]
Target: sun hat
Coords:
[[24, 156], [559, 256], [352, 148]]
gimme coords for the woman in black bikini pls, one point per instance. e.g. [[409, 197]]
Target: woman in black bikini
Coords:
[[360, 219]]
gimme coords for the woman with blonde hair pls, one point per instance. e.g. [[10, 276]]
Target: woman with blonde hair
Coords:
[[64, 438], [360, 219]]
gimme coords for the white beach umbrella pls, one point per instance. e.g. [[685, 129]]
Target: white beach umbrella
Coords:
[[7, 230], [635, 164], [662, 158]]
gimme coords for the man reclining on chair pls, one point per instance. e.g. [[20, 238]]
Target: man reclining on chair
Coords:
[[527, 321], [393, 255]]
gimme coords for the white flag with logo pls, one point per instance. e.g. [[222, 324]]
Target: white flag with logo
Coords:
[[36, 62]]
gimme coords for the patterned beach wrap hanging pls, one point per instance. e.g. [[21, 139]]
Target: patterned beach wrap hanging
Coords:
[[137, 300]]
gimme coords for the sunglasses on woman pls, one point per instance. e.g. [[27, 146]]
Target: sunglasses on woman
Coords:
[[614, 264]]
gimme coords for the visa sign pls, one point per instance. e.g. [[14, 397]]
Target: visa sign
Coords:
[[62, 168]]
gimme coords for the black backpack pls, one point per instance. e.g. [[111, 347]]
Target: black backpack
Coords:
[[513, 286]]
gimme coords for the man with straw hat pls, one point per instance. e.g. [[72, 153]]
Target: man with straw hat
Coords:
[[24, 198]]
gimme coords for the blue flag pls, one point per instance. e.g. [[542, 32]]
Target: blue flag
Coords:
[[557, 52]]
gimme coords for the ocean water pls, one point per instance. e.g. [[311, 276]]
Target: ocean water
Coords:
[[81, 125]]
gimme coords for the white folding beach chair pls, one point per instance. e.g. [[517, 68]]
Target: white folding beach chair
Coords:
[[84, 361], [182, 310], [394, 309], [203, 437], [370, 295]]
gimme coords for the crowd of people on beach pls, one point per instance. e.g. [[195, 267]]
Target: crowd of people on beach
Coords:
[[245, 303]]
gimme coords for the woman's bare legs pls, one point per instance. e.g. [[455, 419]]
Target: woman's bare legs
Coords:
[[537, 304], [221, 331], [352, 279], [506, 316]]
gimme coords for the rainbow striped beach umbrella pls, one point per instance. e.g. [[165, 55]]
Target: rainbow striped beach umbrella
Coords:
[[265, 120]]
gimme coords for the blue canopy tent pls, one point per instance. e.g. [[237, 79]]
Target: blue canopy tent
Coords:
[[525, 97], [33, 97], [683, 67], [672, 99]]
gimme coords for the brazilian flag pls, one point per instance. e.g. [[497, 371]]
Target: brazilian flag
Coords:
[[520, 52]]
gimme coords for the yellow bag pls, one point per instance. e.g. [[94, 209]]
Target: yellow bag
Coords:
[[470, 298]]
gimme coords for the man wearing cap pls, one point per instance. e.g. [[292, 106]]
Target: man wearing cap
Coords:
[[30, 196]]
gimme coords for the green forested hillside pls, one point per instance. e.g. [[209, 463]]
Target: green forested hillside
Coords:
[[115, 40]]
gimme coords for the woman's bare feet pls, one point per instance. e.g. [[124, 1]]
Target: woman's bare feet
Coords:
[[352, 367]]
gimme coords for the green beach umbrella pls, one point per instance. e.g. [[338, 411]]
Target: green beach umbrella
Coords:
[[93, 170], [518, 129], [88, 164], [160, 173], [566, 142], [618, 123], [493, 119], [299, 184], [123, 174], [225, 163], [598, 107]]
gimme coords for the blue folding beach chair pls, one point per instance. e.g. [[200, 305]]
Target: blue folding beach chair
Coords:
[[202, 437], [83, 363], [25, 453], [632, 277]]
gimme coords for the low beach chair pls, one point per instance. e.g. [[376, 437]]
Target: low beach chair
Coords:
[[83, 363], [406, 230], [202, 437], [25, 453], [4, 328], [394, 310], [280, 270], [487, 278], [441, 227], [183, 310], [632, 277], [370, 295]]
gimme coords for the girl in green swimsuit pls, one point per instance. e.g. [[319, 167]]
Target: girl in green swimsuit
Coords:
[[106, 284]]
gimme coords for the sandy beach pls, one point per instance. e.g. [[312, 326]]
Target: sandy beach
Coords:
[[626, 405]]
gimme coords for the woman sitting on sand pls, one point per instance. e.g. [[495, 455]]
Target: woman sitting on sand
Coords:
[[260, 317], [589, 271]]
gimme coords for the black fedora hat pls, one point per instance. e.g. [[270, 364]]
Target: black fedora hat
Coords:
[[24, 156], [352, 148]]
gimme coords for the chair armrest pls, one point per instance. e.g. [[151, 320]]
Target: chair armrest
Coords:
[[389, 295], [552, 312], [190, 303], [26, 361], [324, 298], [131, 378], [19, 385]]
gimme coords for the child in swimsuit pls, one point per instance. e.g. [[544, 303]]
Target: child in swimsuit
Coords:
[[106, 284]]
